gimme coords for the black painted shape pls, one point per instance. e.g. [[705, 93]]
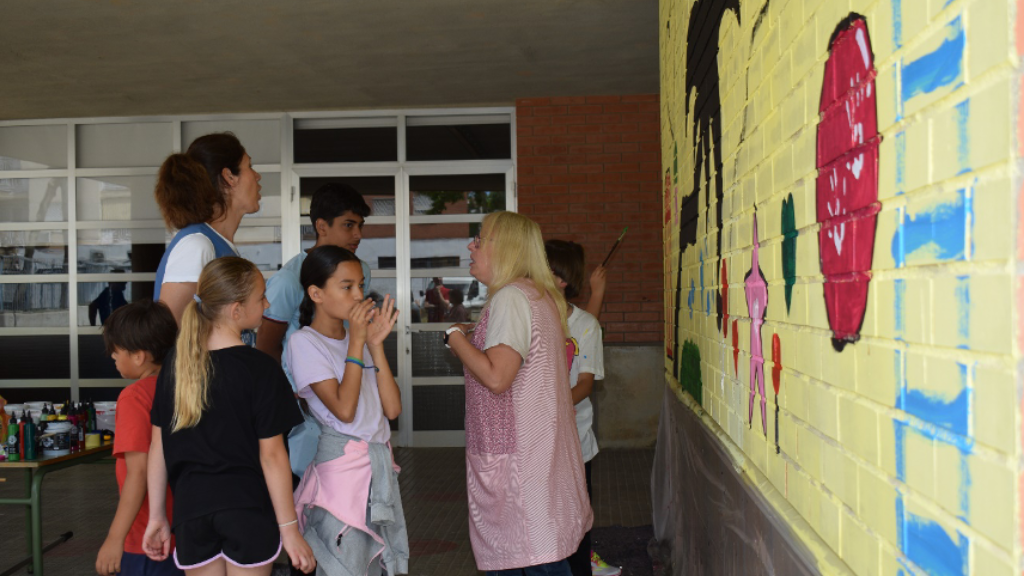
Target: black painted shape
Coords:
[[702, 74]]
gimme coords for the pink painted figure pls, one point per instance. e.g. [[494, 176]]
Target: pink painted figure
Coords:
[[847, 185], [756, 288]]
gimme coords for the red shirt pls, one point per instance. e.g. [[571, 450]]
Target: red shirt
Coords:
[[133, 433]]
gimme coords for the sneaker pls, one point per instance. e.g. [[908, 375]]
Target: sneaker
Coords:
[[601, 568]]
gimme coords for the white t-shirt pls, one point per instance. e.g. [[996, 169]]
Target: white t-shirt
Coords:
[[588, 358], [314, 358], [509, 321], [189, 255]]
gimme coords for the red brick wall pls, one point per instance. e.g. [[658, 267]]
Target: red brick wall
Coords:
[[588, 167]]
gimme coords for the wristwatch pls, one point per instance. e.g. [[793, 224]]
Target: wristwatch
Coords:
[[448, 333]]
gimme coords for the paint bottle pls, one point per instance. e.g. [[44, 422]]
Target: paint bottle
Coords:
[[3, 421], [21, 435], [12, 440], [83, 423], [30, 440], [53, 414]]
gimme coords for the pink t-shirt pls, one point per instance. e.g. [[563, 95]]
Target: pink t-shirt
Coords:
[[528, 502], [314, 358]]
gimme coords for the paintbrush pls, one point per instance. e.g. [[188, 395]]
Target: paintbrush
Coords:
[[615, 246]]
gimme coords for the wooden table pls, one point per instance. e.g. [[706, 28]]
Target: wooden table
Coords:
[[36, 470]]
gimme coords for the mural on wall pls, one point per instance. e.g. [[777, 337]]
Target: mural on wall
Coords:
[[938, 232], [705, 20], [756, 289], [847, 185], [934, 422]]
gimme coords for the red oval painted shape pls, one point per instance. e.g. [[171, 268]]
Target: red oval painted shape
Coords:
[[847, 184]]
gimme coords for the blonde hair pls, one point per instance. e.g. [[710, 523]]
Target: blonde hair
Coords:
[[222, 282], [518, 252]]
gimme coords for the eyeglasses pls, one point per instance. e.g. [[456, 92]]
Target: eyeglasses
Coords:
[[478, 241]]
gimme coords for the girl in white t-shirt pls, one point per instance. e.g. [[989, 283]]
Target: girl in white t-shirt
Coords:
[[347, 384], [586, 364]]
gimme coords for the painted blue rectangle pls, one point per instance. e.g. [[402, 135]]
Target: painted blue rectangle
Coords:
[[938, 68], [949, 414], [929, 546], [936, 234]]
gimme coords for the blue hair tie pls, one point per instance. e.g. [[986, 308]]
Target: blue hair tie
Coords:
[[199, 301]]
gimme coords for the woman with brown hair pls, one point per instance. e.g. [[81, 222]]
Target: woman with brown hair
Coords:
[[203, 193]]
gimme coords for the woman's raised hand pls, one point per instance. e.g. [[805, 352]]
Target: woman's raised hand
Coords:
[[383, 320]]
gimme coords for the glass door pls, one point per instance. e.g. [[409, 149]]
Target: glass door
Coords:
[[430, 179], [445, 212], [378, 246]]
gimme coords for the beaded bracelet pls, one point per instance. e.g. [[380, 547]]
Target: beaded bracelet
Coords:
[[359, 363]]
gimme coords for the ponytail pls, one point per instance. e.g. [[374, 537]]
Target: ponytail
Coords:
[[192, 368], [306, 310], [223, 282], [189, 187]]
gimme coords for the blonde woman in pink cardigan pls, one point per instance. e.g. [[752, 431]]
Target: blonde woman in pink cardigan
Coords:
[[528, 502]]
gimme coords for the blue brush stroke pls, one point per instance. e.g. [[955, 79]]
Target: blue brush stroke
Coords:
[[897, 23], [930, 547], [924, 542], [901, 161], [963, 297], [899, 432], [936, 69], [938, 233], [900, 294], [963, 147], [950, 414], [689, 299], [965, 488], [702, 279]]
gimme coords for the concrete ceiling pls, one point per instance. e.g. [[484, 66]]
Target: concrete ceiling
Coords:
[[80, 58]]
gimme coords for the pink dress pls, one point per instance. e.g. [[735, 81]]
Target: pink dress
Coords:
[[528, 502]]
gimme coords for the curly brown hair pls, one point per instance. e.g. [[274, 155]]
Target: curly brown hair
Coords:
[[190, 186]]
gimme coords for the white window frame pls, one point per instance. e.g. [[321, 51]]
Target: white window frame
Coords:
[[289, 223]]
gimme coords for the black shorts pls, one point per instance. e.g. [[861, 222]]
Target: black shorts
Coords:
[[246, 537]]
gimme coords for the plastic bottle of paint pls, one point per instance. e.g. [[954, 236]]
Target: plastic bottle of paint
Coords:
[[21, 435], [83, 423], [53, 414], [12, 439], [3, 421], [30, 440]]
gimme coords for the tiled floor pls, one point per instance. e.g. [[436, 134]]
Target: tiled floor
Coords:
[[83, 499]]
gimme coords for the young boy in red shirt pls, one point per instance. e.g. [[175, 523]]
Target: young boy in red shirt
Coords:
[[137, 336]]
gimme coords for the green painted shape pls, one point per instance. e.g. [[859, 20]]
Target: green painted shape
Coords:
[[675, 163], [689, 371], [789, 247]]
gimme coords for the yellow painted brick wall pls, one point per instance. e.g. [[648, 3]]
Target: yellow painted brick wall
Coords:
[[899, 443]]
